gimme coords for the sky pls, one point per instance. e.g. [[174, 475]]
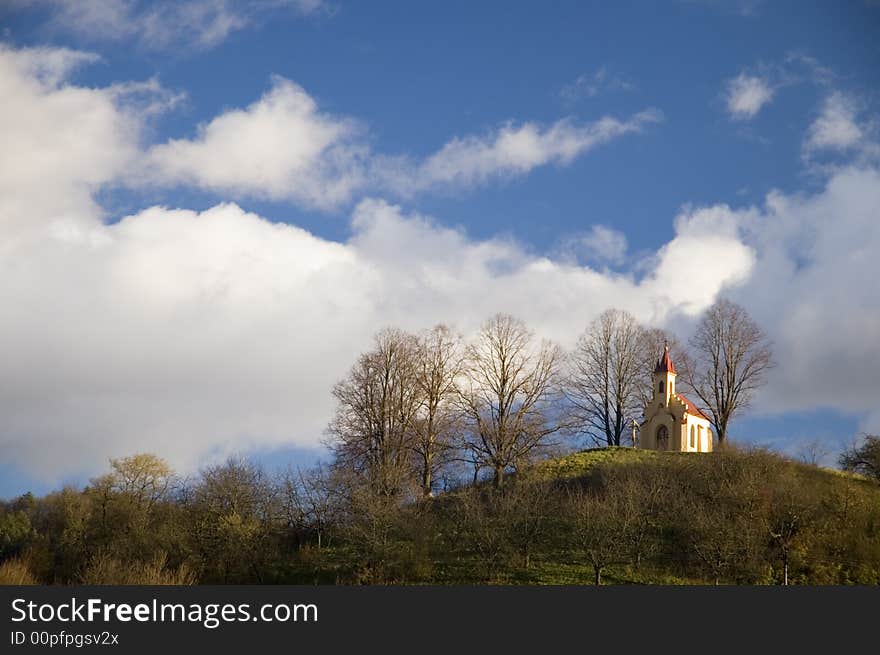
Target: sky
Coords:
[[207, 208]]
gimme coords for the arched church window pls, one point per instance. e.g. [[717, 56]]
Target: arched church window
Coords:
[[660, 388], [693, 437], [662, 438]]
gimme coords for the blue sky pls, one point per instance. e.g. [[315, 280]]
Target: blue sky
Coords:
[[651, 156]]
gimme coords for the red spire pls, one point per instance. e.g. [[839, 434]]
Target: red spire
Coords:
[[664, 365]]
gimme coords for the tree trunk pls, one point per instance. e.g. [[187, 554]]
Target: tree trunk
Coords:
[[426, 482], [784, 569], [721, 435], [499, 477], [598, 574]]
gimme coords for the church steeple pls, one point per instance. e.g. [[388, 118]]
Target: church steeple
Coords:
[[664, 377], [664, 364]]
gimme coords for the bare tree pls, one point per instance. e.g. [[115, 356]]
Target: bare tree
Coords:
[[438, 418], [813, 452], [596, 529], [864, 458], [604, 385], [638, 496], [479, 528], [144, 477], [527, 509], [788, 517], [376, 404], [507, 394], [309, 501], [232, 517], [727, 363]]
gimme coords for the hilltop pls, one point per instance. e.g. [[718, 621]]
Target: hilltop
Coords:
[[628, 516], [609, 515]]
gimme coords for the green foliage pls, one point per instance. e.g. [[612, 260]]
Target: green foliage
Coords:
[[616, 515], [15, 533]]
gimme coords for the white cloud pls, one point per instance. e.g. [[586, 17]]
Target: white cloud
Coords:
[[281, 147], [60, 142], [166, 23], [44, 65], [811, 287], [745, 95], [836, 127], [196, 334], [592, 85], [600, 244], [512, 150]]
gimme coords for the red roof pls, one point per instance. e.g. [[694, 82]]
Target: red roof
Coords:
[[664, 365], [691, 408]]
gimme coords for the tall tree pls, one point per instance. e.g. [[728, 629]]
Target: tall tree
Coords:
[[438, 418], [145, 477], [376, 404], [864, 458], [507, 395], [606, 378], [727, 362]]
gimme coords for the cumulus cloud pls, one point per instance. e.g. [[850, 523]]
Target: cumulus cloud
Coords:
[[60, 142], [509, 151], [836, 126], [163, 24], [195, 334], [280, 147], [808, 287], [283, 147], [816, 256], [745, 95]]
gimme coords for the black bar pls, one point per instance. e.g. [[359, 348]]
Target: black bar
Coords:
[[453, 619]]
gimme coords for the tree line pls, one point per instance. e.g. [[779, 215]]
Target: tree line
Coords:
[[416, 406], [606, 515], [429, 412]]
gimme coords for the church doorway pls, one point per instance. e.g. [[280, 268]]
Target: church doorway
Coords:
[[662, 438]]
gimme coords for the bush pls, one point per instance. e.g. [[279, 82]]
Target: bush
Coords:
[[16, 572], [103, 569]]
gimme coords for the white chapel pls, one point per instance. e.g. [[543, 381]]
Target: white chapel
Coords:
[[671, 421]]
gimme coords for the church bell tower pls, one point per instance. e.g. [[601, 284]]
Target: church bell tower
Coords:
[[664, 378]]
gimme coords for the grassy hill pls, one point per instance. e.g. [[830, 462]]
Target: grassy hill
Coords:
[[829, 518], [626, 516], [609, 515]]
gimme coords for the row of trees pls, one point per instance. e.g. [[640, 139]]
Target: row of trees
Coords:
[[414, 405], [737, 516]]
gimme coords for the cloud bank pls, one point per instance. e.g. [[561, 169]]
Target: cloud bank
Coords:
[[195, 334]]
